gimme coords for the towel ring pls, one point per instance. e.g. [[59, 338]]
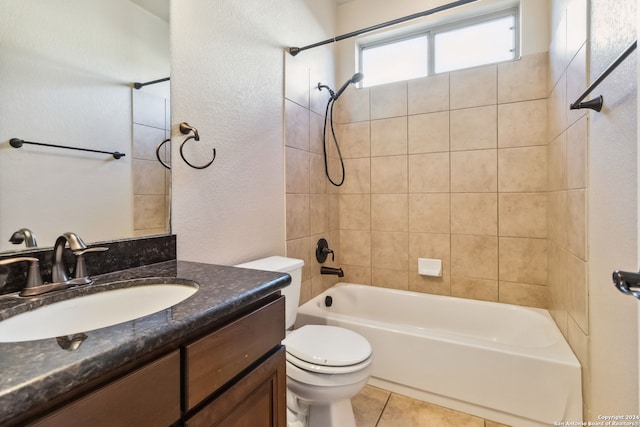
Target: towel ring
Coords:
[[166, 165], [187, 161]]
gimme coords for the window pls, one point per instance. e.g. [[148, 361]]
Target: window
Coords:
[[483, 40]]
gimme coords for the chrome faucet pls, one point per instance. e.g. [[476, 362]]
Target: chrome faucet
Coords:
[[59, 272], [24, 235]]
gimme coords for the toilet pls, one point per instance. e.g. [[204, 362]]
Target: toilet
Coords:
[[326, 365]]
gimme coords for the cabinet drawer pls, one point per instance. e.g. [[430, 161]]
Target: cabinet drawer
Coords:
[[256, 400], [216, 358], [149, 396]]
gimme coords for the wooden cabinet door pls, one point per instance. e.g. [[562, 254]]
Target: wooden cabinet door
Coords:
[[257, 400], [149, 396]]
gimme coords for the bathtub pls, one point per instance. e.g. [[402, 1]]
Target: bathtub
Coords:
[[501, 362]]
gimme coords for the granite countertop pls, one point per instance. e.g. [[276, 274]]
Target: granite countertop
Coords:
[[34, 372]]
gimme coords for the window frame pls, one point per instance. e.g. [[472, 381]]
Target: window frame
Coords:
[[431, 31]]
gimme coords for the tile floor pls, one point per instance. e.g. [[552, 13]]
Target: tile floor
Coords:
[[375, 407]]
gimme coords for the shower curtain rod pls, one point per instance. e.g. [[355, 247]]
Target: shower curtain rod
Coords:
[[152, 82], [296, 50]]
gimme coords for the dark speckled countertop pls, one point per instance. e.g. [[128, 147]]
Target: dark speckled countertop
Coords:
[[33, 372]]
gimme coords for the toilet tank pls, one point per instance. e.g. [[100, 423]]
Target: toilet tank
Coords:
[[291, 293]]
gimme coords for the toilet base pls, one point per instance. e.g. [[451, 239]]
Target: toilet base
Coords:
[[336, 414]]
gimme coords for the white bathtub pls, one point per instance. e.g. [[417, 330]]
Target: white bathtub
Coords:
[[502, 362]]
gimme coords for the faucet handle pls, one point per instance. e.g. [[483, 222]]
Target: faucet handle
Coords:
[[80, 270], [33, 275]]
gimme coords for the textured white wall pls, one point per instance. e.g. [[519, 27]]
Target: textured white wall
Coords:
[[227, 81], [359, 14], [65, 74], [613, 215]]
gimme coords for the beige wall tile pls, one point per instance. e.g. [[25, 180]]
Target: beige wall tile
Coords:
[[429, 213], [389, 250], [148, 177], [319, 213], [474, 87], [317, 179], [557, 48], [466, 287], [297, 170], [148, 211], [298, 225], [474, 171], [558, 285], [389, 136], [557, 218], [522, 124], [297, 126], [296, 82], [523, 294], [523, 260], [357, 274], [357, 176], [577, 83], [523, 214], [146, 140], [474, 128], [435, 246], [474, 213], [334, 212], [355, 211], [429, 94], [429, 173], [354, 140], [389, 174], [557, 109], [577, 223], [578, 304], [522, 169], [389, 212], [388, 100], [355, 247], [429, 133], [557, 163], [354, 106], [316, 124], [577, 154], [524, 79], [474, 256], [391, 279], [577, 19]]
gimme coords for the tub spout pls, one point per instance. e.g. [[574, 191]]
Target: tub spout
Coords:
[[330, 270]]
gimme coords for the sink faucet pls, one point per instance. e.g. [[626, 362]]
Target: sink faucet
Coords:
[[59, 272], [24, 235]]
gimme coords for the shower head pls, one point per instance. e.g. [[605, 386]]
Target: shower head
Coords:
[[357, 77]]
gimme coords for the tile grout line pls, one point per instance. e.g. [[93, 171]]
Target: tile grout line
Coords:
[[383, 409]]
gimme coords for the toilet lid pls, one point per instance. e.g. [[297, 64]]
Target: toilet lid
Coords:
[[327, 345]]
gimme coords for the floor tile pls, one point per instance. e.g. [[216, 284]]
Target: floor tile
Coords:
[[402, 411], [368, 405]]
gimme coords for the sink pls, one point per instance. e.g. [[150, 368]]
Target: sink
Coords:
[[119, 302]]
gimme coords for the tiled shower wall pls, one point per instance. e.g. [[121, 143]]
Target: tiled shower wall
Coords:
[[567, 180], [453, 167], [151, 180], [311, 201]]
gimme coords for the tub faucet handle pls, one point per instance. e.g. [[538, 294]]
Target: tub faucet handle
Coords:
[[322, 251]]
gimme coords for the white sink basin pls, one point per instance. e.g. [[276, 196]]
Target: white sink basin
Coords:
[[94, 311]]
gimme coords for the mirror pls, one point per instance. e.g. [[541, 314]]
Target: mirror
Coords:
[[67, 69]]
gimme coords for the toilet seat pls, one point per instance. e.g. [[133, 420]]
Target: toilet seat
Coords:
[[327, 349]]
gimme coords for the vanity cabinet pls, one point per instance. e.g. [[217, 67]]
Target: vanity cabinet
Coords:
[[150, 396], [233, 375]]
